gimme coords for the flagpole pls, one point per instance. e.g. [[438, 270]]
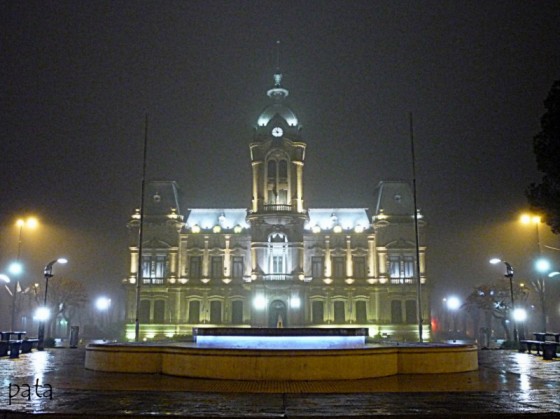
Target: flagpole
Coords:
[[418, 283], [140, 236]]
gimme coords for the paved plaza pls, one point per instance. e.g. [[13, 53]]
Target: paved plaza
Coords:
[[54, 383]]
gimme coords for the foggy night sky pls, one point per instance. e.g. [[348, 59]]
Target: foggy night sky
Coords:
[[78, 77]]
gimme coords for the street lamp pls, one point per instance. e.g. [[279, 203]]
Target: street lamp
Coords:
[[16, 268], [509, 274], [44, 314]]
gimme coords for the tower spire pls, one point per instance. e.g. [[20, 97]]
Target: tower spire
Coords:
[[277, 92], [278, 56]]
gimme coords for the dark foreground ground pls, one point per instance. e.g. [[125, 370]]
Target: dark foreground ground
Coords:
[[54, 383]]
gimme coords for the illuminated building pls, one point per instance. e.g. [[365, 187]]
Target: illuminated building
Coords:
[[277, 263]]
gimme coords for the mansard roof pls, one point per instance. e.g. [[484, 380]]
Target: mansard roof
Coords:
[[394, 197]]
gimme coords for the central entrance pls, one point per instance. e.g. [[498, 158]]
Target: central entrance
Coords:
[[277, 314]]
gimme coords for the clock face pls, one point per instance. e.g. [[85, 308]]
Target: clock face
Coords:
[[277, 131]]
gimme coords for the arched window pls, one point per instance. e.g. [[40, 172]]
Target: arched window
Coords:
[[396, 312], [159, 311], [215, 312], [237, 312], [317, 312], [144, 315], [194, 311], [361, 312], [339, 312], [277, 180], [410, 309]]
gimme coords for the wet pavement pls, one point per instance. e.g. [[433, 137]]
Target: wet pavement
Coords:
[[56, 384]]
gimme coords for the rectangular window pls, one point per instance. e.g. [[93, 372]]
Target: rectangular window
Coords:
[[338, 267], [277, 264], [408, 267], [195, 267], [317, 267], [339, 312], [154, 269], [395, 266], [359, 263], [237, 267], [216, 267], [282, 196]]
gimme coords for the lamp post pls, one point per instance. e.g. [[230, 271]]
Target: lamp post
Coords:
[[509, 274], [44, 312], [542, 266], [16, 268]]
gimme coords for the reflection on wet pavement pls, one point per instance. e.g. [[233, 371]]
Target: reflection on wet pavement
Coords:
[[507, 383]]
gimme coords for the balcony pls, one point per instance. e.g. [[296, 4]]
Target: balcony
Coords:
[[277, 277], [403, 280], [277, 208]]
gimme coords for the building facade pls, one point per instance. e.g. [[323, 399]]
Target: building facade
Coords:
[[277, 263]]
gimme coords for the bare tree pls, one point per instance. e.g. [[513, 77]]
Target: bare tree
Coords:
[[66, 297], [494, 300]]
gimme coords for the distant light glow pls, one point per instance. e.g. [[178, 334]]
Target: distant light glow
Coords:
[[337, 229], [530, 219], [542, 265], [15, 268], [359, 229], [195, 229], [31, 222], [237, 229], [217, 229], [519, 315], [62, 260], [295, 302], [259, 302], [42, 314], [316, 229], [4, 278], [102, 303], [494, 261], [453, 303]]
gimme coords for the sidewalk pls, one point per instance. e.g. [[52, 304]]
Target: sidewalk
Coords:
[[507, 384]]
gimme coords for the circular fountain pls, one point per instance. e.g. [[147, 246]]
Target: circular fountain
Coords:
[[281, 354]]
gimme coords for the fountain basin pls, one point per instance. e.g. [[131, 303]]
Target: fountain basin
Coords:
[[294, 364]]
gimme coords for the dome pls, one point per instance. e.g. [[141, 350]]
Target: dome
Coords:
[[277, 109], [277, 94]]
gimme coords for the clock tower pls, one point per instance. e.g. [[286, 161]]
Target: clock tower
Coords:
[[277, 215]]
